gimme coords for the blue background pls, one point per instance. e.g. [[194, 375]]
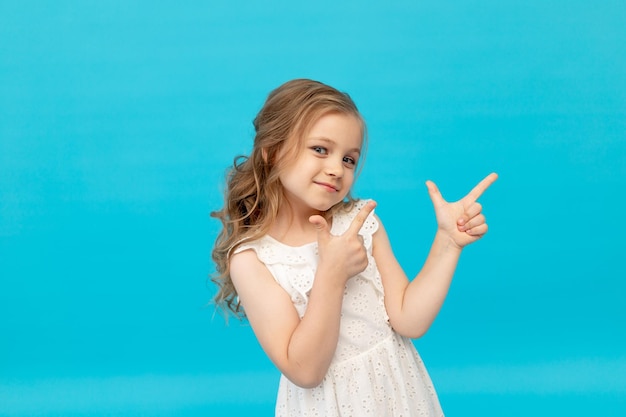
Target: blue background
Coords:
[[118, 120]]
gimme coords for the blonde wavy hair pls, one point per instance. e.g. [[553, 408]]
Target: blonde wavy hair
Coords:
[[254, 192]]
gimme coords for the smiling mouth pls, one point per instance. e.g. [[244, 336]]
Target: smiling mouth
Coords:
[[327, 186]]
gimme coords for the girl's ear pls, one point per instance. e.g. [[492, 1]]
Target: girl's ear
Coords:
[[264, 155]]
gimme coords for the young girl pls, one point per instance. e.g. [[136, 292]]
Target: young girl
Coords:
[[313, 271]]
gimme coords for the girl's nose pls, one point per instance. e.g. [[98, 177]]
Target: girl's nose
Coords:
[[334, 167]]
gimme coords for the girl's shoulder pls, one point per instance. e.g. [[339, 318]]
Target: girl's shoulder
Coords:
[[246, 244]]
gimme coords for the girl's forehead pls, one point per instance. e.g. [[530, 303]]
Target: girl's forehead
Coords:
[[331, 121]]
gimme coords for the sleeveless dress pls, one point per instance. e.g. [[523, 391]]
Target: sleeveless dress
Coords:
[[375, 371]]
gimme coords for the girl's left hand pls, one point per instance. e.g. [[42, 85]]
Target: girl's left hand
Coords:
[[462, 220]]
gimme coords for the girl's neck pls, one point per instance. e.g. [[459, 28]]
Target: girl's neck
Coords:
[[293, 229]]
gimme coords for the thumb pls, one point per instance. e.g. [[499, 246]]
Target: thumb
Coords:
[[320, 224], [435, 195]]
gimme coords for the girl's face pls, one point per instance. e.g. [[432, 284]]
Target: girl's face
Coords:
[[322, 173]]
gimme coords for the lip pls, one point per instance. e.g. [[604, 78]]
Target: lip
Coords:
[[327, 186]]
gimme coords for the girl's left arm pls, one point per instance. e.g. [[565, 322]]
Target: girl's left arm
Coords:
[[412, 306]]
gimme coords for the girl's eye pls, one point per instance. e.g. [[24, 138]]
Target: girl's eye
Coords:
[[349, 160], [320, 149]]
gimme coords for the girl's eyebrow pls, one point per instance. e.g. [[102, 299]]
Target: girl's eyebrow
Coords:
[[332, 142]]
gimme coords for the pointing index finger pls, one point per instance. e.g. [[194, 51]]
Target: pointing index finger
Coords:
[[481, 187], [360, 217]]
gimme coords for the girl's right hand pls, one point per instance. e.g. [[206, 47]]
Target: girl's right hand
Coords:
[[345, 254]]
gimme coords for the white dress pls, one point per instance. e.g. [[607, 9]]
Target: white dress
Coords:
[[374, 372]]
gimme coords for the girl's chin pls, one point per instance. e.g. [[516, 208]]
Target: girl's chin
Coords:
[[326, 207]]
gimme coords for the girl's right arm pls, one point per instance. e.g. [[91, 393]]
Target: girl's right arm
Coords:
[[302, 349]]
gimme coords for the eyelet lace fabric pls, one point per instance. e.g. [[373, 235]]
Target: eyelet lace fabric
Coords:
[[374, 372]]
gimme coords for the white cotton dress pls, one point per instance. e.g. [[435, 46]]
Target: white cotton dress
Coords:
[[374, 372]]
